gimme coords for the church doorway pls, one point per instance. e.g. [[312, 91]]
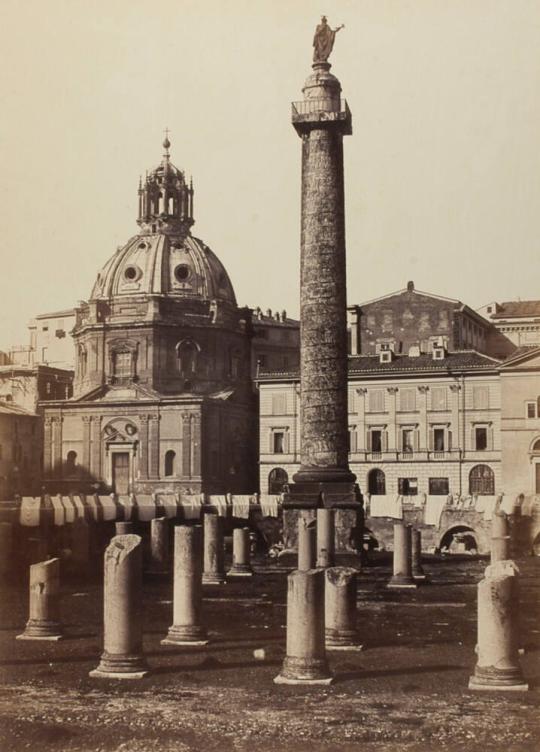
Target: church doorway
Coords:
[[120, 472]]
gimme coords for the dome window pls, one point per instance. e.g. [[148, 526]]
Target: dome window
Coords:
[[182, 272], [141, 245], [132, 273]]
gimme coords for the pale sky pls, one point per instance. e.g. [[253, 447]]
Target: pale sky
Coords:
[[442, 170]]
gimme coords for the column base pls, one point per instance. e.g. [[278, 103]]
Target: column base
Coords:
[[211, 578], [41, 630], [188, 635], [420, 577], [497, 679], [112, 666], [240, 570], [401, 582], [304, 671], [342, 640]]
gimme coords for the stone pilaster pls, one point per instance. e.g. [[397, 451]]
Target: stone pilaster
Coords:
[[95, 451], [47, 447], [86, 421], [361, 409], [143, 447], [423, 438], [196, 445], [455, 389], [392, 426], [153, 448], [186, 445], [57, 445]]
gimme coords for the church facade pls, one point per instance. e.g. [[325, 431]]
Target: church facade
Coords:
[[162, 396]]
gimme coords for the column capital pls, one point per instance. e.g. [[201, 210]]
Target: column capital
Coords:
[[392, 389], [423, 389], [455, 388], [362, 391]]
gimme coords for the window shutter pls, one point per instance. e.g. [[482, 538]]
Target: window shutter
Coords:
[[430, 438], [286, 442], [473, 439], [449, 440], [490, 439], [385, 441], [369, 440], [353, 441], [271, 442], [416, 439]]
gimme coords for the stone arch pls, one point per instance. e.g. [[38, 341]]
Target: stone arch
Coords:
[[376, 482], [459, 534], [170, 461], [187, 353], [482, 480], [277, 479], [534, 447]]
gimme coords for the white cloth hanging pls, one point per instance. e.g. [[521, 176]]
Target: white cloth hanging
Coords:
[[29, 515], [58, 510], [270, 505], [78, 503], [191, 506], [146, 507], [219, 501], [434, 509], [240, 505], [70, 509], [381, 506], [110, 511], [168, 502]]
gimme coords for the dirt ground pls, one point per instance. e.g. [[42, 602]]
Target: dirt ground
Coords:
[[407, 690]]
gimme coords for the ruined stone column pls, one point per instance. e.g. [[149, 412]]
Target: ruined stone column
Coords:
[[305, 662], [6, 548], [307, 544], [124, 528], [187, 626], [241, 566], [44, 613], [500, 549], [498, 666], [402, 577], [214, 559], [122, 656], [499, 525], [321, 120], [325, 538], [340, 609], [159, 545], [416, 555]]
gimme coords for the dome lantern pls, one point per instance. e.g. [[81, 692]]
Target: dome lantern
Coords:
[[165, 198]]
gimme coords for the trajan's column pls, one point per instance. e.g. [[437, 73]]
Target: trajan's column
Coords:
[[321, 119]]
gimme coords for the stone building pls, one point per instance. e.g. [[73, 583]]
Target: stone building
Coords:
[[20, 450], [425, 423], [50, 341], [163, 397], [515, 323], [410, 321], [520, 422]]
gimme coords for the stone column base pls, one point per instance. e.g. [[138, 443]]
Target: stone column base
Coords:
[[41, 630], [341, 640], [213, 578], [401, 582], [304, 671], [497, 679], [120, 667], [186, 635], [240, 570]]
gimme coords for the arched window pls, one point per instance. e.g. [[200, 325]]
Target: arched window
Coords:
[[187, 353], [536, 446], [276, 480], [376, 482], [482, 480], [71, 462], [170, 457]]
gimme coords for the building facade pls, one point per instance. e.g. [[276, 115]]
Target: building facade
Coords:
[[163, 397], [20, 451], [417, 424], [515, 323]]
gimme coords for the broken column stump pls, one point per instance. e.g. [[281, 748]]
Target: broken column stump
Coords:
[[416, 555], [214, 558], [402, 576], [340, 609], [307, 544], [325, 538], [122, 656], [159, 546], [498, 666], [44, 613], [187, 628], [241, 566], [305, 662]]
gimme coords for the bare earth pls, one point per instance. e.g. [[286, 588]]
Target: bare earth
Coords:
[[406, 691]]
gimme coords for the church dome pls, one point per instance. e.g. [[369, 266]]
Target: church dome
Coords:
[[164, 264], [164, 258]]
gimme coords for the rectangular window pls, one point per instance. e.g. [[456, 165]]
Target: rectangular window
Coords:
[[438, 487], [376, 401], [531, 409], [438, 439], [279, 404], [122, 364], [438, 398], [480, 434], [279, 442], [407, 400], [407, 441], [480, 397], [376, 441], [407, 486]]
